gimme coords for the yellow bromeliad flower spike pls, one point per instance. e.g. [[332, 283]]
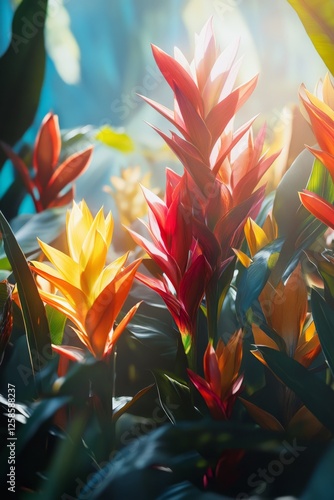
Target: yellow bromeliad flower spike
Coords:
[[257, 237], [92, 293]]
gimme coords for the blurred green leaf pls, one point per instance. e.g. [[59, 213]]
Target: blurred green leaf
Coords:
[[318, 20], [321, 483], [315, 394], [255, 277], [299, 228], [115, 139], [35, 321], [22, 69], [323, 316], [66, 460], [175, 397], [43, 411], [127, 403], [171, 454], [47, 225], [57, 322], [187, 491]]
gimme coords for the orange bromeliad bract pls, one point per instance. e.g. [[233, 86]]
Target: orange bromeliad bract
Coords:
[[320, 114], [222, 381], [92, 293]]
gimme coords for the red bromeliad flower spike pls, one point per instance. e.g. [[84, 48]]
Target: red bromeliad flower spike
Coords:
[[185, 270], [204, 212], [50, 179], [204, 105]]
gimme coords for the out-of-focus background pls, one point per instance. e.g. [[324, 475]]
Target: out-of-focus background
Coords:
[[99, 59], [99, 53]]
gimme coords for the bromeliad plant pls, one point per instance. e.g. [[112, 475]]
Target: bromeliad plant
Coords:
[[92, 293], [230, 343], [207, 206], [49, 177]]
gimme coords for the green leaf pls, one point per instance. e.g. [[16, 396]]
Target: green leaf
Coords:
[[287, 202], [67, 459], [186, 490], [115, 139], [171, 454], [22, 71], [318, 20], [315, 394], [43, 412], [299, 228], [175, 398], [35, 321], [57, 322], [255, 277], [321, 484], [47, 225], [323, 316], [122, 407]]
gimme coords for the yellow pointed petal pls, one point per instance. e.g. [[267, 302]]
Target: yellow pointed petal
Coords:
[[74, 296], [94, 265], [109, 273], [244, 259], [255, 236], [78, 222], [64, 264], [328, 91], [62, 305], [84, 339], [109, 224], [320, 105]]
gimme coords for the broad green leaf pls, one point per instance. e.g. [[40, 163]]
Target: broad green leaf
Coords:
[[121, 408], [317, 17], [41, 414], [187, 490], [35, 321], [295, 223], [57, 322], [171, 454], [65, 460], [315, 394], [115, 139], [175, 398], [321, 483], [22, 71], [286, 202], [255, 277], [46, 225], [323, 316]]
